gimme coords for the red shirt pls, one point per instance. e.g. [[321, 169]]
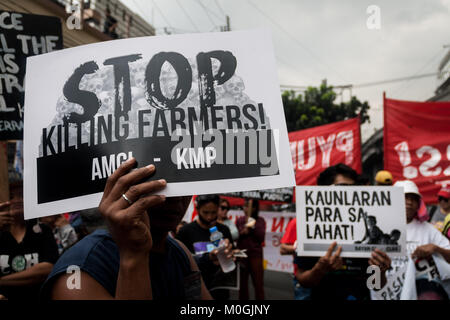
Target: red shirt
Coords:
[[290, 236]]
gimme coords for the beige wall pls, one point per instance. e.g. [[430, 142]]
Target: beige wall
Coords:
[[71, 38]]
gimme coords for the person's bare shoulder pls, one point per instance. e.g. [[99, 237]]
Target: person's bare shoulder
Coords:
[[66, 287]]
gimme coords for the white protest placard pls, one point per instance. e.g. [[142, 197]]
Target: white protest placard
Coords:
[[204, 108], [358, 218]]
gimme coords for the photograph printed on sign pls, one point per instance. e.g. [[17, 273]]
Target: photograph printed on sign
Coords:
[[200, 110], [359, 219]]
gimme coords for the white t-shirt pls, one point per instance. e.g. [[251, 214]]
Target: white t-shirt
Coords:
[[418, 234]]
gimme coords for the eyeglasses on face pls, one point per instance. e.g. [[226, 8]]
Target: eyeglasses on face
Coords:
[[224, 207], [443, 199]]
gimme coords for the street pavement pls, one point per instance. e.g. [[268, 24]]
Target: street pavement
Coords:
[[277, 286]]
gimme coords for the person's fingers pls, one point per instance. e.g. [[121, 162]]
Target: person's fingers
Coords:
[[336, 255], [213, 254], [123, 169], [338, 263], [6, 214], [7, 220], [126, 181], [136, 191], [417, 252], [338, 251], [379, 261], [4, 205], [382, 253], [141, 205], [330, 249]]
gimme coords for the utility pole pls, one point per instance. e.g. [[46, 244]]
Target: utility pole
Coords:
[[227, 27]]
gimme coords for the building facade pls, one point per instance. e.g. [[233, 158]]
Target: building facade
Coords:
[[94, 13]]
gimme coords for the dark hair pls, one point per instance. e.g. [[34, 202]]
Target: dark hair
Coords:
[[425, 286], [327, 176], [225, 200], [255, 207], [206, 198], [363, 180], [395, 231]]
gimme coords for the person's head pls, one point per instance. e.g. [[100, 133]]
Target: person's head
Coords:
[[254, 211], [395, 234], [107, 11], [363, 180], [384, 178], [166, 216], [412, 198], [430, 290], [339, 174], [207, 207], [444, 199], [224, 207]]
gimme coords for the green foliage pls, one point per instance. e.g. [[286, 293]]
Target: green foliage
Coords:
[[316, 106]]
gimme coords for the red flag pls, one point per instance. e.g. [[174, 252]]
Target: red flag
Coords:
[[317, 148], [417, 144]]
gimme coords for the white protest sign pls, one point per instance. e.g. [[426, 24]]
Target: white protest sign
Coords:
[[359, 219], [204, 108]]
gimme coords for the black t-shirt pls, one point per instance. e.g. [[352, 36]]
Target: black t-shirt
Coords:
[[348, 283], [38, 245], [196, 239]]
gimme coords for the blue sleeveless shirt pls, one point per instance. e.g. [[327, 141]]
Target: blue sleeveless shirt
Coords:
[[98, 255]]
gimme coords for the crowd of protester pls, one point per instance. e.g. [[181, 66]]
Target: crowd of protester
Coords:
[[138, 247]]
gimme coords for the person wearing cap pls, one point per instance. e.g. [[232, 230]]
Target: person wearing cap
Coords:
[[444, 207], [383, 178], [422, 238]]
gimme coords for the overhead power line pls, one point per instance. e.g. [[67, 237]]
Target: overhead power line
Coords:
[[207, 12], [162, 14], [220, 8], [377, 83], [367, 84], [213, 12], [188, 16], [423, 68], [312, 54]]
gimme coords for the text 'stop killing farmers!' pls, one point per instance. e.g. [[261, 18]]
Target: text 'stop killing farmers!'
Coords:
[[189, 113]]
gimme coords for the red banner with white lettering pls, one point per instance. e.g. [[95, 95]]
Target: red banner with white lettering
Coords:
[[417, 144], [315, 149]]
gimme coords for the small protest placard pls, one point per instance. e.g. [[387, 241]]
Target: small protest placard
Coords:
[[204, 108], [21, 35], [359, 219]]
